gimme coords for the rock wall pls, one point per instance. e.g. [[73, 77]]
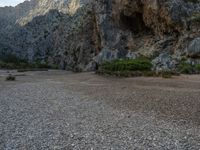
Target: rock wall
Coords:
[[162, 30], [80, 34], [61, 33]]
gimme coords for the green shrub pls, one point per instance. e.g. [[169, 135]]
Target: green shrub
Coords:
[[195, 17], [139, 64], [150, 74], [166, 74], [132, 68], [11, 58], [126, 67], [13, 62], [197, 68], [185, 68], [10, 78], [4, 65]]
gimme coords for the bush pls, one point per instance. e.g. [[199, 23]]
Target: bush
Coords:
[[185, 68], [132, 68], [150, 74], [195, 17], [197, 68], [10, 78], [166, 74], [139, 64], [126, 67], [4, 65], [13, 62], [11, 58], [10, 61]]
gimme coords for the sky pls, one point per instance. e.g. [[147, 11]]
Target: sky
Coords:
[[9, 2]]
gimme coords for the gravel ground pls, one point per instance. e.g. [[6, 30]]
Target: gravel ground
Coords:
[[58, 110]]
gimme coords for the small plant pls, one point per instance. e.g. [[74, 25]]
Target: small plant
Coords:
[[150, 74], [10, 78], [197, 68], [195, 17], [132, 68], [166, 74], [14, 62], [185, 68], [126, 68], [142, 67]]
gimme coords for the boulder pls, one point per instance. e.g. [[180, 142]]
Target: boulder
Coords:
[[164, 62], [106, 55], [131, 55], [193, 49]]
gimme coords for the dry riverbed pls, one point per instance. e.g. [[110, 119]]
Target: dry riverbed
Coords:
[[61, 110]]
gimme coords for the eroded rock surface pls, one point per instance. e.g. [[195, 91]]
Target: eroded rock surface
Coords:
[[79, 34]]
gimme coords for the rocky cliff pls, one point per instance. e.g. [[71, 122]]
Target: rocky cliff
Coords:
[[80, 34]]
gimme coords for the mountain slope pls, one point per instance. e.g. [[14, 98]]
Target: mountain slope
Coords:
[[46, 33], [79, 34]]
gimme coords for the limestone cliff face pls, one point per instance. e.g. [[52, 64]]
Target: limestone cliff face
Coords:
[[158, 29], [60, 32], [79, 34]]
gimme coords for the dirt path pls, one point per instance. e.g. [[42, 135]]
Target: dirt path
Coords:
[[61, 110]]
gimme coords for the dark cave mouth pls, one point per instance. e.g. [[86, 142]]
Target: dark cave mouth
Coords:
[[134, 23]]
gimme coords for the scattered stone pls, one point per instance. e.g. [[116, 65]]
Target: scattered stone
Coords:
[[57, 110]]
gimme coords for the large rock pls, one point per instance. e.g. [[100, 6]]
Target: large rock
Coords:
[[164, 62], [106, 55], [193, 49]]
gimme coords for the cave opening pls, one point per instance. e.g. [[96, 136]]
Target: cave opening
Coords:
[[133, 23]]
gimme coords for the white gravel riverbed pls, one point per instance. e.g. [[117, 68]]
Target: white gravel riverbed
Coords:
[[58, 110]]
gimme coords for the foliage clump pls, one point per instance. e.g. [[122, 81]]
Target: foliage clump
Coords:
[[187, 68], [195, 17], [139, 64], [13, 62], [10, 78], [131, 68]]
